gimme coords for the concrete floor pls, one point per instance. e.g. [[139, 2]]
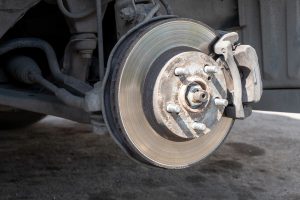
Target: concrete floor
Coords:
[[58, 159]]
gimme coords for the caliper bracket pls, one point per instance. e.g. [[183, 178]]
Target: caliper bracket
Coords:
[[225, 47]]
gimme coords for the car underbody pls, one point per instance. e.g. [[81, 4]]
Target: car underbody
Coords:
[[166, 78]]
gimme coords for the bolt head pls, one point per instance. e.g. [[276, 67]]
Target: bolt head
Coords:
[[127, 14]]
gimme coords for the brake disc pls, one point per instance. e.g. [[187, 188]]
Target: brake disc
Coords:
[[165, 95]]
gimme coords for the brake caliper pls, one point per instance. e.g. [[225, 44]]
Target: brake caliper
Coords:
[[242, 62]]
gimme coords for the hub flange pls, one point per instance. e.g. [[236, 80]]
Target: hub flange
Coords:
[[183, 82]]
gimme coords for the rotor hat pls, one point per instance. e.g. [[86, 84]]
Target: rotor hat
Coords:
[[192, 94]]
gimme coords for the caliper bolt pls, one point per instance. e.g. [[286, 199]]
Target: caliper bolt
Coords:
[[173, 108], [211, 69], [181, 71], [221, 102], [199, 126]]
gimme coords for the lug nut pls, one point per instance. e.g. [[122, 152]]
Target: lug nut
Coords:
[[181, 71], [199, 126], [173, 108], [221, 102], [211, 69]]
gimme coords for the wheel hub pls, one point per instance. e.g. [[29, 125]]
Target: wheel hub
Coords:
[[184, 95]]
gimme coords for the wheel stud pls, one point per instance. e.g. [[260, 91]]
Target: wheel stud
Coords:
[[181, 71], [173, 108], [221, 102], [211, 69], [199, 126]]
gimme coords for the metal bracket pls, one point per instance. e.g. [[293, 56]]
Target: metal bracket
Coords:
[[247, 61], [42, 103], [225, 47], [92, 100]]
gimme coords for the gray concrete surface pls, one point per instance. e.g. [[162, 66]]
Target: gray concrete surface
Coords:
[[58, 159]]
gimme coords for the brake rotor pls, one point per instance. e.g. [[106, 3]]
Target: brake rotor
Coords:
[[163, 97]]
